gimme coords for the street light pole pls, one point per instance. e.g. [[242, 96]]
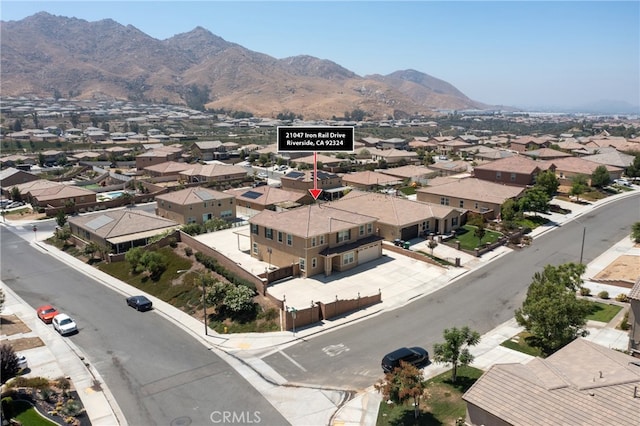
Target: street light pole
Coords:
[[584, 232], [204, 297]]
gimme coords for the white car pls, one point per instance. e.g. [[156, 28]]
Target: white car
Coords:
[[262, 175], [22, 362], [64, 324]]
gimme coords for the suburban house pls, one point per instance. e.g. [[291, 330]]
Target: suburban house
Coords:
[[167, 168], [369, 181], [400, 218], [218, 173], [157, 156], [546, 154], [392, 143], [250, 201], [527, 143], [18, 161], [634, 319], [411, 173], [120, 230], [196, 205], [476, 195], [303, 181], [326, 161], [611, 157], [11, 177], [448, 168], [483, 153], [209, 150], [317, 238], [45, 193], [570, 167], [516, 170], [450, 147], [394, 156], [581, 384]]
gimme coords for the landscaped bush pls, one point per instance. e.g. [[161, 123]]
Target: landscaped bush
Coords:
[[622, 297], [585, 291], [188, 251], [603, 295], [29, 382], [624, 324]]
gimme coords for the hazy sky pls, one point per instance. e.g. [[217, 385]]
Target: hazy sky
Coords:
[[506, 52]]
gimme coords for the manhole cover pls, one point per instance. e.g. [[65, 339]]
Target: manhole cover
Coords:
[[181, 421]]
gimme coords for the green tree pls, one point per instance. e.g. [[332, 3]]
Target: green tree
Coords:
[[579, 186], [134, 256], [551, 312], [216, 293], [61, 218], [548, 181], [455, 349], [8, 362], [634, 169], [153, 262], [90, 249], [404, 383], [432, 244], [15, 194], [534, 199], [509, 210], [239, 298], [480, 232], [600, 177], [635, 232], [41, 159]]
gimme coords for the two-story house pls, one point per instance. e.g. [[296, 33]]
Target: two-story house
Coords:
[[196, 205], [515, 170], [317, 238], [210, 150]]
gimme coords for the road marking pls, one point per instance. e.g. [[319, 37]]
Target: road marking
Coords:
[[293, 361], [334, 350]]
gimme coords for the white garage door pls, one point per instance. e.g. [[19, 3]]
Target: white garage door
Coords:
[[368, 253]]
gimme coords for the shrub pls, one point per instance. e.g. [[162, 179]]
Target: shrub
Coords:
[[173, 242], [29, 382], [585, 291], [72, 408], [9, 362], [622, 297], [7, 407], [46, 393], [188, 251], [603, 295], [624, 324]]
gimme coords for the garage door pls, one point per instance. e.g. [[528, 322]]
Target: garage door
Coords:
[[409, 232], [368, 253]]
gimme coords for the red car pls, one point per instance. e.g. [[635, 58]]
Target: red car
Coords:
[[46, 313]]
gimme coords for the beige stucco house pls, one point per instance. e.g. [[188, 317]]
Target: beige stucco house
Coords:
[[196, 205]]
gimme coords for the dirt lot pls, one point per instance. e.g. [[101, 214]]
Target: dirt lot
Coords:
[[12, 325], [624, 268], [25, 215]]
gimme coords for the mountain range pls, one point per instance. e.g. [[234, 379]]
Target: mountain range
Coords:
[[45, 54]]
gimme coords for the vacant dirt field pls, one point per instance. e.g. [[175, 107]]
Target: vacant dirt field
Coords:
[[624, 268], [12, 325]]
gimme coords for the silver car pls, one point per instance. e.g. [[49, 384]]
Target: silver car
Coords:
[[64, 324]]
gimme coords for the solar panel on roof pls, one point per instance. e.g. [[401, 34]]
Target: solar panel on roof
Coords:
[[99, 222], [252, 195], [204, 195], [295, 175]]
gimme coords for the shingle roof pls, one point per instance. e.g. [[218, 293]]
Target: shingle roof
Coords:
[[369, 178], [268, 195], [579, 165], [635, 290], [117, 223], [581, 384], [513, 164]]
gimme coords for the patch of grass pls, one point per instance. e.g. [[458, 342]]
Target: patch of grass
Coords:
[[603, 312], [520, 343], [436, 258], [443, 406], [27, 415], [408, 190], [468, 241], [532, 222]]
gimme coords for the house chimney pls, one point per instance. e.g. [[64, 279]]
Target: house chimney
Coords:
[[635, 392], [600, 374]]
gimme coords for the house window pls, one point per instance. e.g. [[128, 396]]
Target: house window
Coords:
[[191, 220], [289, 239], [361, 230], [454, 221], [280, 237], [321, 239], [475, 206], [513, 177], [255, 248], [313, 241], [226, 213], [347, 258], [302, 264], [369, 228], [254, 229], [498, 175], [314, 262], [444, 201], [461, 204], [205, 205], [268, 233], [344, 235]]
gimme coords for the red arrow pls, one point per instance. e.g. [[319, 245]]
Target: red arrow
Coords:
[[315, 192]]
